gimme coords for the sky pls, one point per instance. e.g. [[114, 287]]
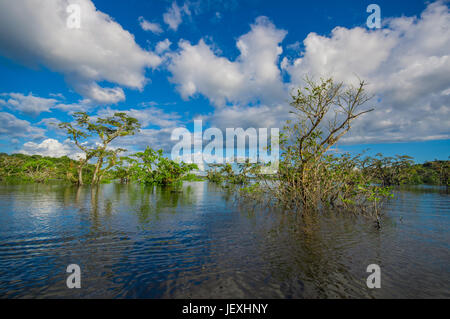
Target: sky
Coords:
[[230, 63]]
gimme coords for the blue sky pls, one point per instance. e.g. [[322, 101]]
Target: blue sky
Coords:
[[231, 63]]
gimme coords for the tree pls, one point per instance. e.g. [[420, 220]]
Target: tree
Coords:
[[213, 174], [107, 130], [152, 168], [77, 135], [392, 170], [310, 177], [124, 168], [443, 171], [323, 113]]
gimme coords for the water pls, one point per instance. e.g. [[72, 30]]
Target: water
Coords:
[[144, 242]]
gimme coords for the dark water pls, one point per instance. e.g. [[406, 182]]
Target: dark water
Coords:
[[138, 242]]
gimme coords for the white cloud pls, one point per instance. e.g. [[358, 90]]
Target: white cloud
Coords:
[[261, 116], [253, 76], [34, 105], [150, 116], [50, 123], [53, 148], [173, 16], [342, 55], [406, 67], [80, 106], [12, 127], [157, 126], [101, 50], [163, 46], [29, 104], [150, 26]]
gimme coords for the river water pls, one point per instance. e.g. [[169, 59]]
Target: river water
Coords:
[[198, 242]]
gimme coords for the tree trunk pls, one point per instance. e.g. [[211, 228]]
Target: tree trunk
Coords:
[[97, 169], [80, 174]]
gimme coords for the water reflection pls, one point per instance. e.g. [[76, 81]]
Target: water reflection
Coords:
[[195, 241]]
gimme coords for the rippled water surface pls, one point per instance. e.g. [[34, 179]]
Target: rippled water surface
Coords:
[[137, 242]]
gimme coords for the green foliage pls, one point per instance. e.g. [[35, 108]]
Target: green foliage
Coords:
[[105, 130], [215, 176], [309, 177], [220, 173], [432, 173], [148, 167], [152, 168], [390, 170], [401, 170], [40, 169]]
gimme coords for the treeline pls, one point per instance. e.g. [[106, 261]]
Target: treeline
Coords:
[[151, 167], [310, 177], [36, 168], [386, 171], [148, 167], [401, 170], [100, 163]]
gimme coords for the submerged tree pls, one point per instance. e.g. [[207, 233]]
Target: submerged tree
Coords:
[[310, 177], [323, 112], [78, 133], [106, 130], [152, 168], [392, 170]]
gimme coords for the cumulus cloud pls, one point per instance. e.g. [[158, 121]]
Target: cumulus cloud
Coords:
[[53, 148], [151, 116], [253, 76], [163, 46], [406, 65], [259, 116], [34, 105], [157, 126], [12, 127], [29, 104], [80, 106], [407, 69], [174, 15], [342, 55], [150, 26], [37, 34]]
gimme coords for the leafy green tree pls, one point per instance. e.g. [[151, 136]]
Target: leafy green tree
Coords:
[[392, 170], [323, 113], [36, 168], [152, 167], [213, 174], [310, 177], [124, 168], [106, 130], [442, 169], [78, 133]]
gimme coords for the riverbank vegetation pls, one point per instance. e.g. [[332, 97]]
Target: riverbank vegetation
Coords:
[[99, 163], [41, 169]]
